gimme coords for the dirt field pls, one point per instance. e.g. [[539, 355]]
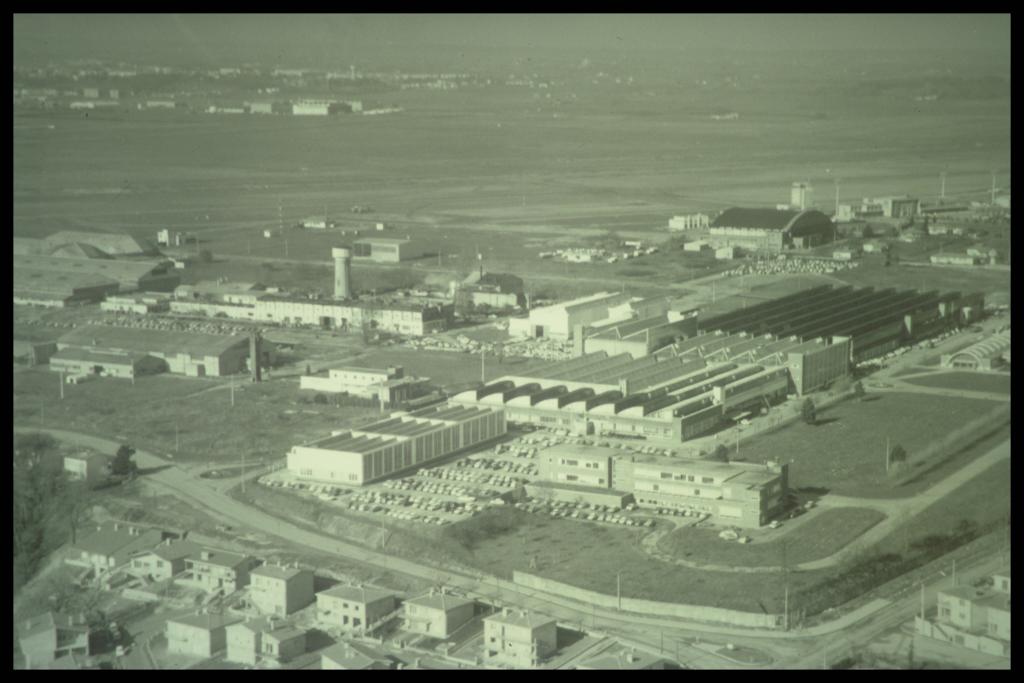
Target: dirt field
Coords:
[[845, 451], [266, 420], [829, 532]]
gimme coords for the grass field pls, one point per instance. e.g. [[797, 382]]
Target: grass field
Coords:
[[968, 381], [829, 532], [266, 420], [845, 451]]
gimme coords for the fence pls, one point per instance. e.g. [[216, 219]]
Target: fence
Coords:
[[650, 607]]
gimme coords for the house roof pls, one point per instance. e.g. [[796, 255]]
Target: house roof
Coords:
[[515, 618], [276, 572], [97, 356], [206, 621], [768, 219], [175, 550], [219, 558], [354, 656], [106, 541], [357, 593], [47, 621], [284, 632], [440, 601], [103, 337], [127, 273]]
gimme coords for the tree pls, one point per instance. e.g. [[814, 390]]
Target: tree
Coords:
[[720, 454], [808, 412], [122, 464]]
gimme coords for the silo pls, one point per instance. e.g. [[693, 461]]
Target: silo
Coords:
[[342, 276]]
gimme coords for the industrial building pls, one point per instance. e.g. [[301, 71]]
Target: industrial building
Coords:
[[140, 304], [387, 385], [873, 321], [88, 467], [221, 291], [129, 351], [890, 207], [694, 221], [639, 337], [560, 321], [682, 391], [739, 493], [387, 249], [401, 442], [519, 639], [59, 281], [494, 290], [771, 230], [406, 315], [988, 354], [956, 260], [33, 353]]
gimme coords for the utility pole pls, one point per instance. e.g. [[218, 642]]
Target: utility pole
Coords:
[[942, 196], [243, 471], [993, 187], [618, 596], [786, 607], [922, 600], [232, 391], [286, 247], [887, 452], [954, 573], [176, 442], [62, 385], [42, 413], [482, 367]]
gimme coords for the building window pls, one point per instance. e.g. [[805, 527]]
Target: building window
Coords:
[[707, 480], [666, 475]]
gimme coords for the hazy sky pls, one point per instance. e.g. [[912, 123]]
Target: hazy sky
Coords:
[[218, 37]]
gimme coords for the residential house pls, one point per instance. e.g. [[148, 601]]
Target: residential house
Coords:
[[353, 657], [280, 590], [164, 561], [198, 635], [266, 638], [215, 570], [46, 638], [113, 545], [519, 639], [353, 607], [437, 615]]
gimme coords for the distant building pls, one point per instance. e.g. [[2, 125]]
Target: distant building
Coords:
[[622, 659], [387, 385], [33, 353], [891, 207], [437, 615], [387, 249], [46, 638], [988, 354], [123, 351], [311, 108], [726, 253], [198, 635], [116, 244], [693, 221], [846, 254], [519, 639], [956, 260], [59, 282], [353, 608], [496, 290], [280, 590], [215, 570], [559, 321], [139, 304], [771, 230], [801, 196], [264, 639], [639, 337], [88, 467]]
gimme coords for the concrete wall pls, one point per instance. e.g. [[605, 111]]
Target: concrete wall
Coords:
[[650, 607]]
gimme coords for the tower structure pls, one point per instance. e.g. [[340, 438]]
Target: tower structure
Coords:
[[342, 273]]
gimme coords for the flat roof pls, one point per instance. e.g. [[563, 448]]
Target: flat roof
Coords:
[[219, 558], [150, 341], [349, 443], [573, 450], [97, 356]]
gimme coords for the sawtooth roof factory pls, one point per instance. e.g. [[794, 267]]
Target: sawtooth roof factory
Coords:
[[60, 281]]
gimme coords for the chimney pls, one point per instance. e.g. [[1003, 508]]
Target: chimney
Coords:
[[205, 554], [167, 541], [117, 527]]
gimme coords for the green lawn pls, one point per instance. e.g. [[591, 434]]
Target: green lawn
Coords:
[[997, 383], [845, 451], [828, 532]]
